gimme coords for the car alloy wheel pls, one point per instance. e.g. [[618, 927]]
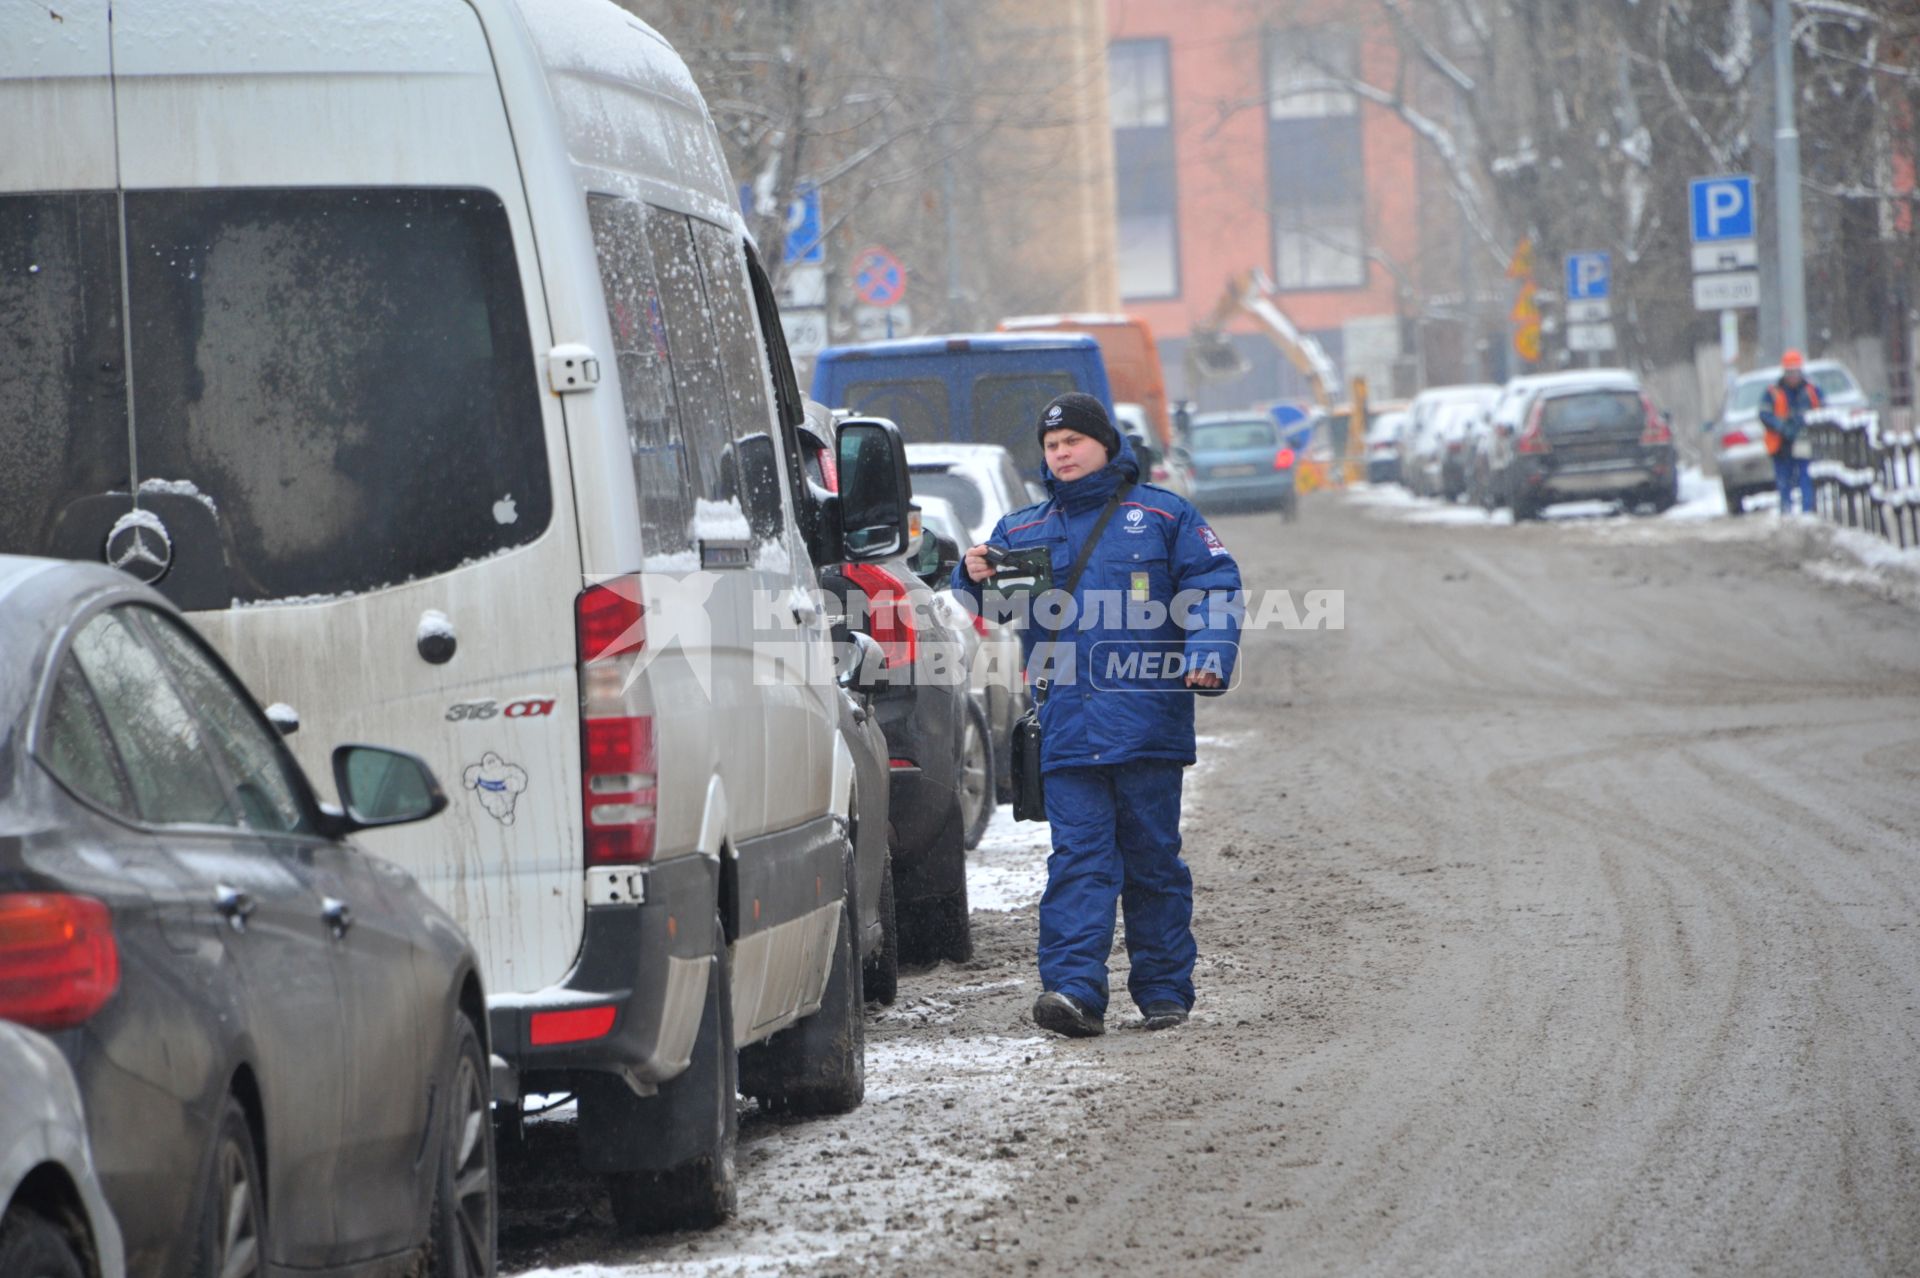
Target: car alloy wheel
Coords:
[[472, 1171], [976, 777], [233, 1233]]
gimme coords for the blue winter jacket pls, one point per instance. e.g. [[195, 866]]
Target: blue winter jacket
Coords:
[[1124, 695]]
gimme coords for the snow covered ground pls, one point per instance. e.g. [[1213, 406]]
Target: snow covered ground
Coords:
[[1838, 556]]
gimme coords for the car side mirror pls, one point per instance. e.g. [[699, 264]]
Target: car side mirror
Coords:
[[933, 562], [864, 661], [381, 787], [876, 489]]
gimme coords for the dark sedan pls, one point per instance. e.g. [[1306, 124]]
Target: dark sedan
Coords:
[[280, 1041]]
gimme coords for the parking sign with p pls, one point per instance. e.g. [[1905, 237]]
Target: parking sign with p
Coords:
[[1589, 276], [1722, 208]]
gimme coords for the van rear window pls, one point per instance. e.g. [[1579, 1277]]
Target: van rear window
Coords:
[[1007, 407], [332, 389], [918, 406]]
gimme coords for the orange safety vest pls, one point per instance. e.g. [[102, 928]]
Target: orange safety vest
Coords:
[[1774, 439]]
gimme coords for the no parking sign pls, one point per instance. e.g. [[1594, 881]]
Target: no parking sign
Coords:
[[879, 278]]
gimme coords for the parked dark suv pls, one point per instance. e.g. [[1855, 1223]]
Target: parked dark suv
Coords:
[[280, 1041], [920, 695], [1584, 441]]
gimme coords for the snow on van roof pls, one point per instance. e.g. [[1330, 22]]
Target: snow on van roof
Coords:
[[629, 107], [963, 342], [1055, 321]]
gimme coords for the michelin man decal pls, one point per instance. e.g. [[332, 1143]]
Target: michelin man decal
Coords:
[[497, 784]]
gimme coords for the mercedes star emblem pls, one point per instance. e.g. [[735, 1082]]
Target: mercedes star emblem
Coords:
[[140, 547]]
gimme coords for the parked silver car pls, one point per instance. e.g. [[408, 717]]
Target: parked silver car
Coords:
[[1740, 441], [997, 682], [1434, 448], [53, 1218]]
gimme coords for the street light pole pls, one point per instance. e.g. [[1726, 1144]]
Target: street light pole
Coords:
[[1786, 181], [944, 138]]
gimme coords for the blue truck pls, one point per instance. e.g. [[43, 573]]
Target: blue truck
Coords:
[[983, 388]]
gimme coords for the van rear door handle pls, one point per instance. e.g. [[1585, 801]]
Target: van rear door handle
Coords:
[[805, 611], [338, 915]]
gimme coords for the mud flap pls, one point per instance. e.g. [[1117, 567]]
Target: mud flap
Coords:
[[690, 1118]]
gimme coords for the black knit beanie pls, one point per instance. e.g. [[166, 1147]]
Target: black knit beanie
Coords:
[[1079, 411]]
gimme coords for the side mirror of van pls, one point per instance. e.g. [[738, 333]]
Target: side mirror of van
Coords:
[[876, 489], [380, 787]]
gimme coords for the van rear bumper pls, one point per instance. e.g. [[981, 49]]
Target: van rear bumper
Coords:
[[648, 962]]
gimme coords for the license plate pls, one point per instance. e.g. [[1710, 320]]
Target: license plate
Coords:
[[1234, 472]]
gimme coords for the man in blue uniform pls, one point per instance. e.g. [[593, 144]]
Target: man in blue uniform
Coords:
[[1156, 620]]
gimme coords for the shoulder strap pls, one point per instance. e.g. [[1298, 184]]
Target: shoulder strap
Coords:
[[1093, 538]]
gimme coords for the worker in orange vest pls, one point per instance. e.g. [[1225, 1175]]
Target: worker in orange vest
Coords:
[[1783, 411]]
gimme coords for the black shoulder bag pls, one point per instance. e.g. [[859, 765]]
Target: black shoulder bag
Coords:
[[1029, 792]]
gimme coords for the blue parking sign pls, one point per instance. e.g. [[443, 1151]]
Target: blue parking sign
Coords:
[[1589, 276], [804, 240], [1722, 208]]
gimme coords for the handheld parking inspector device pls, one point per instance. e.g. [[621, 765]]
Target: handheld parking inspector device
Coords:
[[1020, 571]]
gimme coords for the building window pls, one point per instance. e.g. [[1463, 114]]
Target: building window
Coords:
[[1137, 84], [1140, 100], [1316, 181]]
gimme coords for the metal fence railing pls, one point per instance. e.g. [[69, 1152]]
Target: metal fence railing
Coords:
[[1865, 477]]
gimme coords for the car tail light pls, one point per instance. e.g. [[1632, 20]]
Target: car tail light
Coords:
[[573, 1025], [617, 760], [1283, 459], [1656, 430], [59, 963], [979, 623], [1734, 438], [901, 763], [1534, 438], [889, 613]]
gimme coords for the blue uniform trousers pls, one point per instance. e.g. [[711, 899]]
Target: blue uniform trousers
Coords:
[[1116, 835], [1790, 475]]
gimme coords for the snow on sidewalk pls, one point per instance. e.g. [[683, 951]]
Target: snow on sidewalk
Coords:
[[1837, 556]]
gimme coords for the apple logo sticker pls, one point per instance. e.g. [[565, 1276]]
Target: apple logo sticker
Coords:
[[503, 511]]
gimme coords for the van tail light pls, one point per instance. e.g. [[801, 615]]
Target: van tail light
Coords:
[[1283, 459], [1656, 430], [618, 783], [1534, 438], [979, 623], [1734, 438], [889, 613], [59, 962]]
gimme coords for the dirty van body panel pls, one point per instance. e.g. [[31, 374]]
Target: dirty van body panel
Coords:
[[55, 97], [984, 389], [738, 673], [349, 560], [334, 423]]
